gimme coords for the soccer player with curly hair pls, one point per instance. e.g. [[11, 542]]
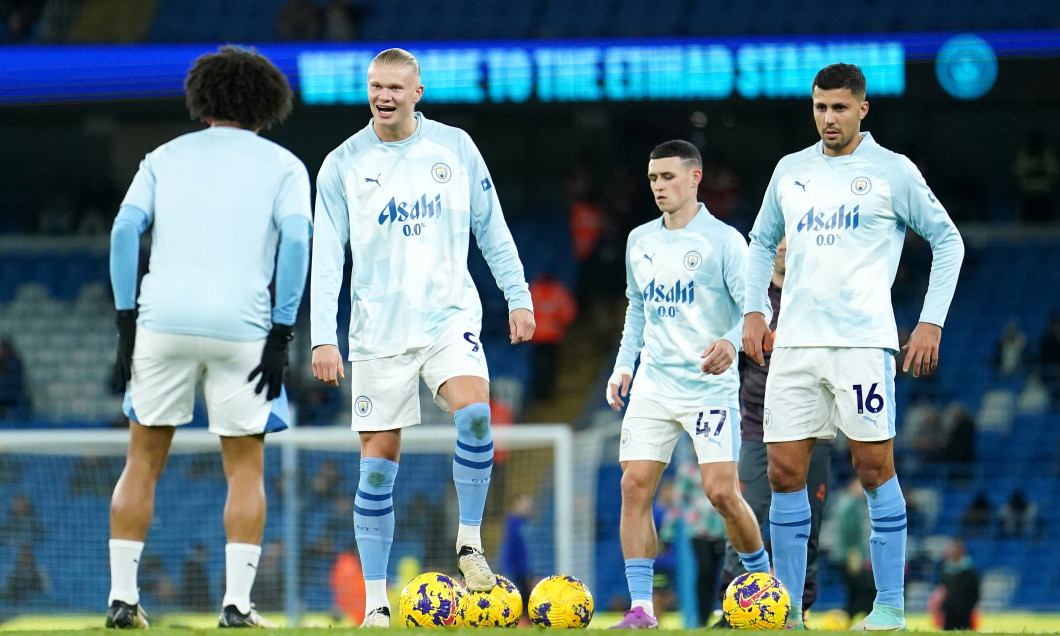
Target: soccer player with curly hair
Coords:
[[228, 212]]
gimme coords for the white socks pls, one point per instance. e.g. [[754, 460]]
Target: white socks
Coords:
[[469, 535], [375, 595], [241, 566], [649, 606], [124, 563]]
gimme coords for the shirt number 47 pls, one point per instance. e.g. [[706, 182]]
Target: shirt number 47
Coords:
[[703, 428]]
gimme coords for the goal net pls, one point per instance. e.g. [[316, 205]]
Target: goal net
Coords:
[[56, 488]]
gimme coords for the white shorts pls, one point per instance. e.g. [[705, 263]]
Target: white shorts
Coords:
[[651, 429], [386, 391], [810, 391], [166, 368]]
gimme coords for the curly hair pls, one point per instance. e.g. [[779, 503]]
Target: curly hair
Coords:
[[240, 85]]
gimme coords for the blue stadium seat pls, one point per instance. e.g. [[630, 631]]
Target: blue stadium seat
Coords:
[[564, 19], [636, 18]]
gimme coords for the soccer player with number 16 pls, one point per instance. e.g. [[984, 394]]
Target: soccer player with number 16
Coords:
[[843, 205]]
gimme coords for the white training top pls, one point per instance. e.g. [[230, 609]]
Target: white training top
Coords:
[[685, 290], [845, 220], [215, 200], [405, 209]]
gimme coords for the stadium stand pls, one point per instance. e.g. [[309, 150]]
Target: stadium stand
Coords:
[[255, 20], [59, 317]]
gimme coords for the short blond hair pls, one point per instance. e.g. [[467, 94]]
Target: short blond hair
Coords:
[[397, 57]]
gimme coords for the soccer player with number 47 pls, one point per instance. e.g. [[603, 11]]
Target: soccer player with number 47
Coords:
[[843, 205], [685, 282]]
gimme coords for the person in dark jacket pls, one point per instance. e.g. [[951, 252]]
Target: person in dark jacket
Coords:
[[960, 584]]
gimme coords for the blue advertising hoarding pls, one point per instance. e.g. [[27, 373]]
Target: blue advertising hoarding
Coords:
[[538, 71]]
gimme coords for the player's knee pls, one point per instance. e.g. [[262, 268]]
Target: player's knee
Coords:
[[726, 500], [784, 477], [636, 488], [473, 424], [872, 475]]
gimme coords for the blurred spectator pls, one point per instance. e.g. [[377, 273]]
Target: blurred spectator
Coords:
[[328, 482], [300, 20], [1017, 516], [26, 579], [958, 447], [10, 470], [920, 567], [916, 517], [94, 222], [958, 592], [1049, 354], [1035, 396], [347, 584], [57, 214], [1010, 349], [977, 518], [18, 20], [341, 20], [420, 524], [515, 549], [720, 189], [705, 529], [928, 436], [195, 582], [22, 527], [604, 301], [554, 310], [14, 403], [851, 557], [154, 580], [270, 583], [1036, 169], [338, 530], [95, 475], [585, 215], [58, 19]]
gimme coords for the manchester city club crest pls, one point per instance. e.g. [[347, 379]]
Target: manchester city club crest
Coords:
[[624, 440], [767, 418], [441, 172], [362, 406], [693, 260], [861, 185]]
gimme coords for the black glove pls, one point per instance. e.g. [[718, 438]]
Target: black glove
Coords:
[[273, 360], [126, 321]]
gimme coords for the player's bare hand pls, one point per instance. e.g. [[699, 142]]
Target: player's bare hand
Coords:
[[618, 387], [718, 357], [756, 337], [328, 365], [922, 350], [521, 325]]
